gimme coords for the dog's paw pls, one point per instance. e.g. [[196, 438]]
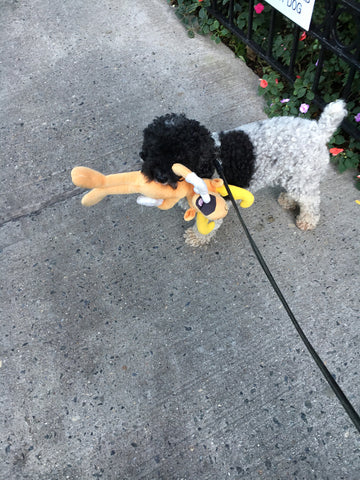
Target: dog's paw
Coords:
[[195, 239], [306, 221], [286, 201]]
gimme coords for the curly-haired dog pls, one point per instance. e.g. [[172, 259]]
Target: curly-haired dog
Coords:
[[172, 137], [287, 151]]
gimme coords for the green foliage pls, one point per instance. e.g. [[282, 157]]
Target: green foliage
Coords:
[[282, 97], [194, 15]]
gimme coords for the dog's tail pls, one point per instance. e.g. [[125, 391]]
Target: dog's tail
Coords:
[[331, 117]]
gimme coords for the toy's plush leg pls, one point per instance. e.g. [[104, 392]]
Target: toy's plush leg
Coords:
[[97, 194], [287, 201], [85, 177], [309, 214], [93, 197]]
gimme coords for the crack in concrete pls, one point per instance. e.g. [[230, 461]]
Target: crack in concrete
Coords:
[[37, 209]]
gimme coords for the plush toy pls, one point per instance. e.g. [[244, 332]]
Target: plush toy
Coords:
[[204, 196]]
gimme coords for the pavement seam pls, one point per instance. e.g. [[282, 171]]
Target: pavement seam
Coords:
[[37, 209]]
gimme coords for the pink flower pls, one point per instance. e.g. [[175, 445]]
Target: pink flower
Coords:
[[259, 8], [263, 83], [357, 118], [303, 36], [285, 100], [335, 151], [304, 107]]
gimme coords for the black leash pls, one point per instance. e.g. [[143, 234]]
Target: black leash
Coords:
[[330, 379]]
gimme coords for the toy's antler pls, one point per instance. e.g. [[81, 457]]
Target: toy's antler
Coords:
[[191, 177]]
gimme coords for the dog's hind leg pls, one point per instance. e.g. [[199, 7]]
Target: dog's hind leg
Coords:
[[287, 201]]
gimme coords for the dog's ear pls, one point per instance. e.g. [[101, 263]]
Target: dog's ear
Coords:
[[190, 214]]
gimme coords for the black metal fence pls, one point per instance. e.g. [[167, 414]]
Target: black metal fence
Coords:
[[335, 28]]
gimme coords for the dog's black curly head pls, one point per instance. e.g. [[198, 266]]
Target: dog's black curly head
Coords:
[[173, 138], [159, 173]]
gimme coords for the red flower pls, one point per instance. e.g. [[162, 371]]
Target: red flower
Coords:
[[263, 83], [335, 151], [303, 36], [259, 8]]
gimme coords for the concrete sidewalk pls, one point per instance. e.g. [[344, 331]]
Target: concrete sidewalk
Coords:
[[126, 354]]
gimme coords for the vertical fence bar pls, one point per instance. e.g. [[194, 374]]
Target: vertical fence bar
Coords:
[[271, 33], [319, 68], [294, 50], [250, 19], [231, 12]]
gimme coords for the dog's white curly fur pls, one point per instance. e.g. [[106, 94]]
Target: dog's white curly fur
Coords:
[[291, 152]]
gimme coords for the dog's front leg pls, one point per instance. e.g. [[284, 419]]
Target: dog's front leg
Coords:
[[196, 239], [309, 214]]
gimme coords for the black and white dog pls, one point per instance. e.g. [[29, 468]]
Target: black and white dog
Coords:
[[287, 151]]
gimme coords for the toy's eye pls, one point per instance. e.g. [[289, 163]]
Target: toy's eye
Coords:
[[206, 208]]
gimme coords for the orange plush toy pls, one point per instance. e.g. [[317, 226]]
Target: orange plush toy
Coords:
[[204, 196]]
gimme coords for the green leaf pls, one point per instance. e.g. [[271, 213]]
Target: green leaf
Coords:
[[351, 162], [193, 8], [301, 92], [203, 13], [339, 139], [341, 166], [310, 95]]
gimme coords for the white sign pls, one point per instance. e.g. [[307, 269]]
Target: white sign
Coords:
[[299, 11]]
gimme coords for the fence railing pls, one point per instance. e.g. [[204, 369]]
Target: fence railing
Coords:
[[327, 28]]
